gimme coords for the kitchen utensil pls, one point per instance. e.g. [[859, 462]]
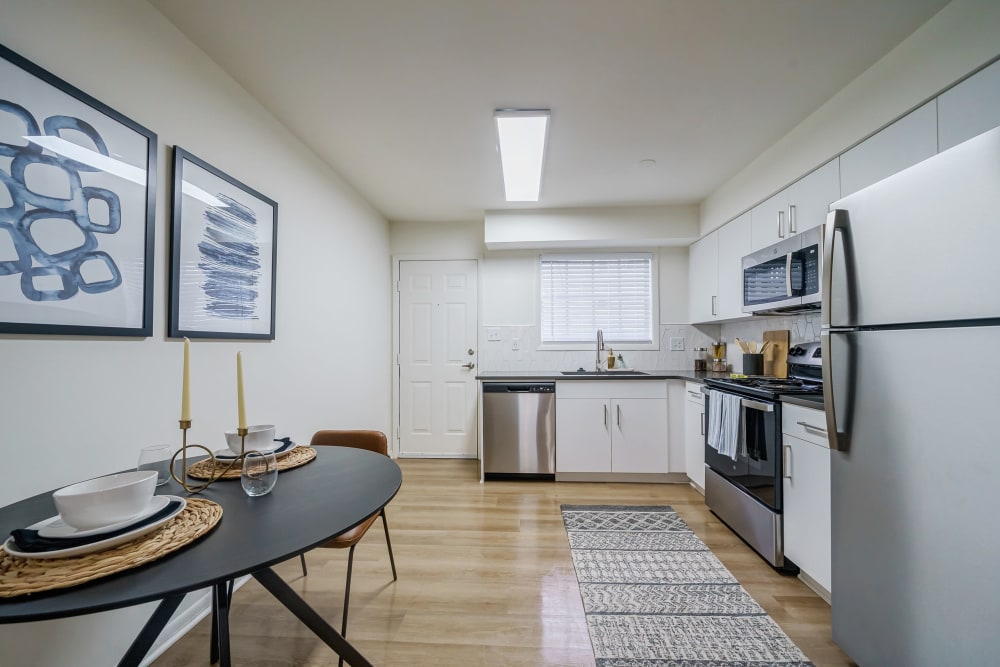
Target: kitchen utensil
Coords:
[[776, 358]]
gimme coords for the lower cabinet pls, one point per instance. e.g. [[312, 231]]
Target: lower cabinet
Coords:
[[807, 492], [611, 426], [694, 434]]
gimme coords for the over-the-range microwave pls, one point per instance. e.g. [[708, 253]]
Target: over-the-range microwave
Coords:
[[785, 278]]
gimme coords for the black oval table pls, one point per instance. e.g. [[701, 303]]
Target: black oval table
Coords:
[[329, 495]]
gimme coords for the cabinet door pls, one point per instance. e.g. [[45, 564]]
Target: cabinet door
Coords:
[[583, 435], [734, 244], [703, 278], [970, 108], [911, 139], [810, 197], [807, 508], [694, 441], [639, 435], [769, 221]]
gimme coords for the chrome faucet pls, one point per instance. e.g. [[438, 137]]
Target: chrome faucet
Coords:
[[600, 348]]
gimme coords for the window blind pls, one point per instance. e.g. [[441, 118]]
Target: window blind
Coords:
[[583, 293]]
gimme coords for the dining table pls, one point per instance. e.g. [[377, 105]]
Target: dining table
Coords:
[[309, 504]]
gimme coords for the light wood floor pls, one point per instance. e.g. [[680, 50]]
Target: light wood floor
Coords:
[[485, 578]]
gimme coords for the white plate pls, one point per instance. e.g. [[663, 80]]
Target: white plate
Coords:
[[94, 547], [227, 454], [56, 527]]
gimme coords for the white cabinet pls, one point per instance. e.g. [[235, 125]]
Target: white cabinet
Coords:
[[911, 139], [970, 108], [801, 206], [715, 272], [806, 488], [694, 434], [703, 278], [616, 426]]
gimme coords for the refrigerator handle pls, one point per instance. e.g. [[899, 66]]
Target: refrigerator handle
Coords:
[[835, 220], [829, 391]]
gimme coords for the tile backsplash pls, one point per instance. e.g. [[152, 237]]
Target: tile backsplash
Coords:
[[802, 329]]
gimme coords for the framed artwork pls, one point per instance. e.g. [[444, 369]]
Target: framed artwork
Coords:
[[77, 195], [224, 241]]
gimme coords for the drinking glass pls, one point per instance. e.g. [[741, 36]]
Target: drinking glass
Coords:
[[260, 473], [156, 457]]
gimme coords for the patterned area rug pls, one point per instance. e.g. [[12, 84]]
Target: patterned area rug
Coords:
[[655, 596]]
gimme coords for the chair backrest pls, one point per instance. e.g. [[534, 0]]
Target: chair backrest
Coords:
[[373, 441]]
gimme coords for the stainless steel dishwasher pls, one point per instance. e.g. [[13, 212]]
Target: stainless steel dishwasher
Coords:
[[519, 429]]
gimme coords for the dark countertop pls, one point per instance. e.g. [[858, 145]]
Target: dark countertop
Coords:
[[549, 376], [815, 402]]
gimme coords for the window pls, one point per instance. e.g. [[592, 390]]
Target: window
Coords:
[[583, 293]]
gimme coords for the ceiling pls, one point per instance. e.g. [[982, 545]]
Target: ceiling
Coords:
[[397, 96]]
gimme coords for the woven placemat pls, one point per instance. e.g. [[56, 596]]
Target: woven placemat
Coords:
[[23, 576], [206, 470]]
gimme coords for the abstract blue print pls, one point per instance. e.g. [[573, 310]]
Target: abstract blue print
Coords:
[[230, 260], [37, 256]]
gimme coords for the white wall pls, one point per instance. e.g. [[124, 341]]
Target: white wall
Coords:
[[73, 407], [961, 37]]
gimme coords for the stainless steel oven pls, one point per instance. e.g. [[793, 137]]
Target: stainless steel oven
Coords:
[[784, 278]]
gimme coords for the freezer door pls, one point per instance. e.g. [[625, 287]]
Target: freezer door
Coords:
[[915, 497], [921, 245]]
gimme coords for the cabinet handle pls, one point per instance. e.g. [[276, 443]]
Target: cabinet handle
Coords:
[[703, 423], [809, 427], [696, 394], [469, 365], [791, 219], [781, 224], [605, 416], [713, 304], [619, 406], [785, 464]]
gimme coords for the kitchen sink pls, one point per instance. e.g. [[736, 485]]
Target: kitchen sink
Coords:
[[604, 373]]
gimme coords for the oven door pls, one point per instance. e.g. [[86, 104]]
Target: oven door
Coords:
[[757, 468]]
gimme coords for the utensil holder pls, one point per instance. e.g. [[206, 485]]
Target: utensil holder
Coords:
[[753, 364]]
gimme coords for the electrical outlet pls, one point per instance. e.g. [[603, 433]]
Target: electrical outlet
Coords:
[[493, 335], [515, 344], [677, 344]]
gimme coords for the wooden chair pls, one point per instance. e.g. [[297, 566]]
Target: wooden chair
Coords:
[[374, 441]]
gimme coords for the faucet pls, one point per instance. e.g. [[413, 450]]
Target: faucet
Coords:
[[600, 348]]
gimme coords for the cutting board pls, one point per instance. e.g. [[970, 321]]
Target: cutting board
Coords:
[[776, 355]]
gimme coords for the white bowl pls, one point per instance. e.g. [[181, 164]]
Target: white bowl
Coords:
[[259, 437], [105, 500]]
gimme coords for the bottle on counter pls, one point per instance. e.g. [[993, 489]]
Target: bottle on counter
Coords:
[[611, 358]]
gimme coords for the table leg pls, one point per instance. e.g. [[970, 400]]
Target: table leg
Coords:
[[221, 597], [154, 626], [295, 604]]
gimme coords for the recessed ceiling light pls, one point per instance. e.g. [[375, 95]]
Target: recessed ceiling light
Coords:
[[521, 133]]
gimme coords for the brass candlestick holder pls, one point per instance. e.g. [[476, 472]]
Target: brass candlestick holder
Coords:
[[217, 472]]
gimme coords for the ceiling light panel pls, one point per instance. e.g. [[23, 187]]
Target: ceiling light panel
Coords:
[[522, 134]]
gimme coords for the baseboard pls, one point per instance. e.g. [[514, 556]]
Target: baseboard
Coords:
[[628, 477], [196, 606], [472, 457], [815, 586]]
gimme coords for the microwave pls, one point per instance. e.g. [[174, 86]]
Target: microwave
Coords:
[[784, 278]]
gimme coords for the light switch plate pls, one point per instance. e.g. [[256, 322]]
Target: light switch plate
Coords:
[[493, 335], [677, 344]]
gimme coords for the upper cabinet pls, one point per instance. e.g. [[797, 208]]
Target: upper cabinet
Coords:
[[970, 108], [801, 206], [911, 139], [715, 272]]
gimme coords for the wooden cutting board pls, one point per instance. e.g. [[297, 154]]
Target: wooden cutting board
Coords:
[[776, 355]]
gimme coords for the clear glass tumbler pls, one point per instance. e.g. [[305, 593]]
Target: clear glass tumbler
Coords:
[[260, 473], [156, 457]]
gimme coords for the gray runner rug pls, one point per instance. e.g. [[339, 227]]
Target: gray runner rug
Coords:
[[655, 596]]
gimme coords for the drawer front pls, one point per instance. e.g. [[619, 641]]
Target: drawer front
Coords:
[[693, 392], [804, 423], [612, 389]]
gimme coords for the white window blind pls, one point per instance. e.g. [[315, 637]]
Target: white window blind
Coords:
[[583, 293]]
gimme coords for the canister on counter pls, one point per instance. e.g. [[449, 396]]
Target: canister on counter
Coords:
[[700, 359]]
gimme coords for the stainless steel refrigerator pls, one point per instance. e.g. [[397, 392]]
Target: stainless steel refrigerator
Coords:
[[911, 352]]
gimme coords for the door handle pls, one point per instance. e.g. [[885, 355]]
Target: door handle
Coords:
[[809, 427], [785, 462], [713, 305], [781, 224], [619, 406], [791, 219], [469, 365], [605, 416], [703, 423]]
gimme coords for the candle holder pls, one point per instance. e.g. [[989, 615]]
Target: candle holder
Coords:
[[185, 424]]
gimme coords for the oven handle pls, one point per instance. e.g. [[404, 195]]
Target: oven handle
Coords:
[[756, 405]]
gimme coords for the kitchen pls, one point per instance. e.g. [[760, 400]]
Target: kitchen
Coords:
[[357, 358]]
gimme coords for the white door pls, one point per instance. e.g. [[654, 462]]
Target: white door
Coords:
[[437, 358]]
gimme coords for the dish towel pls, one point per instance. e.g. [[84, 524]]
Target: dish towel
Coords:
[[723, 422]]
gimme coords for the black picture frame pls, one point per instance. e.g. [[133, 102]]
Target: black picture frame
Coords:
[[223, 254], [77, 209]]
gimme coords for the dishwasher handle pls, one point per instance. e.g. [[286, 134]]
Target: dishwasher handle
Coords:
[[519, 388]]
